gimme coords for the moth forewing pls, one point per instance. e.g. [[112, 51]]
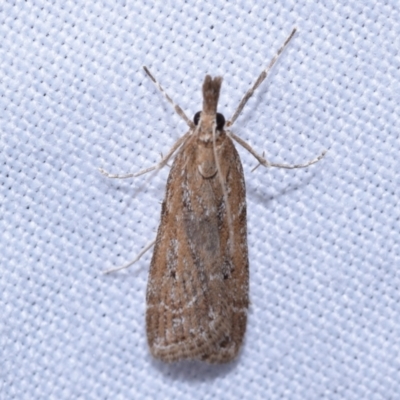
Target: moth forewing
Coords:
[[197, 294]]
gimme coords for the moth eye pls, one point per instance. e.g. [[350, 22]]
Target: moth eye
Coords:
[[196, 117], [220, 122]]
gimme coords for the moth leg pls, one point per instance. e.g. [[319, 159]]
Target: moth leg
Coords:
[[177, 109], [259, 80], [258, 163], [158, 166], [148, 246], [162, 157], [266, 163]]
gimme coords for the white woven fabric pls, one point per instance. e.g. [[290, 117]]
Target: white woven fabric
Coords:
[[324, 321]]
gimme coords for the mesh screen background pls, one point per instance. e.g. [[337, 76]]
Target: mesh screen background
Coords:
[[323, 242]]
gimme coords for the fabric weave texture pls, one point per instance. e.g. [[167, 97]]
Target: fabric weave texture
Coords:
[[324, 319]]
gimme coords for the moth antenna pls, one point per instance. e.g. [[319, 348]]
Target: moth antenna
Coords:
[[259, 80], [225, 193], [211, 92], [177, 109]]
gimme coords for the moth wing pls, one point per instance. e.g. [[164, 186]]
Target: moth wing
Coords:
[[197, 295], [235, 265]]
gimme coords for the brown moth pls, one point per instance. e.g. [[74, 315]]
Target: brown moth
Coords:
[[197, 293], [198, 287]]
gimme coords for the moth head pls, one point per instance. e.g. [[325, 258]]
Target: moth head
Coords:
[[208, 121], [219, 120]]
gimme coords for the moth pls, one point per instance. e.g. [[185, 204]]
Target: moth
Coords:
[[198, 287]]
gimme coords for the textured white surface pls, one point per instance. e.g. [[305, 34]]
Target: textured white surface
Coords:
[[323, 242]]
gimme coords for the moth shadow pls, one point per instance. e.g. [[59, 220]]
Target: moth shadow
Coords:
[[194, 371], [263, 195]]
